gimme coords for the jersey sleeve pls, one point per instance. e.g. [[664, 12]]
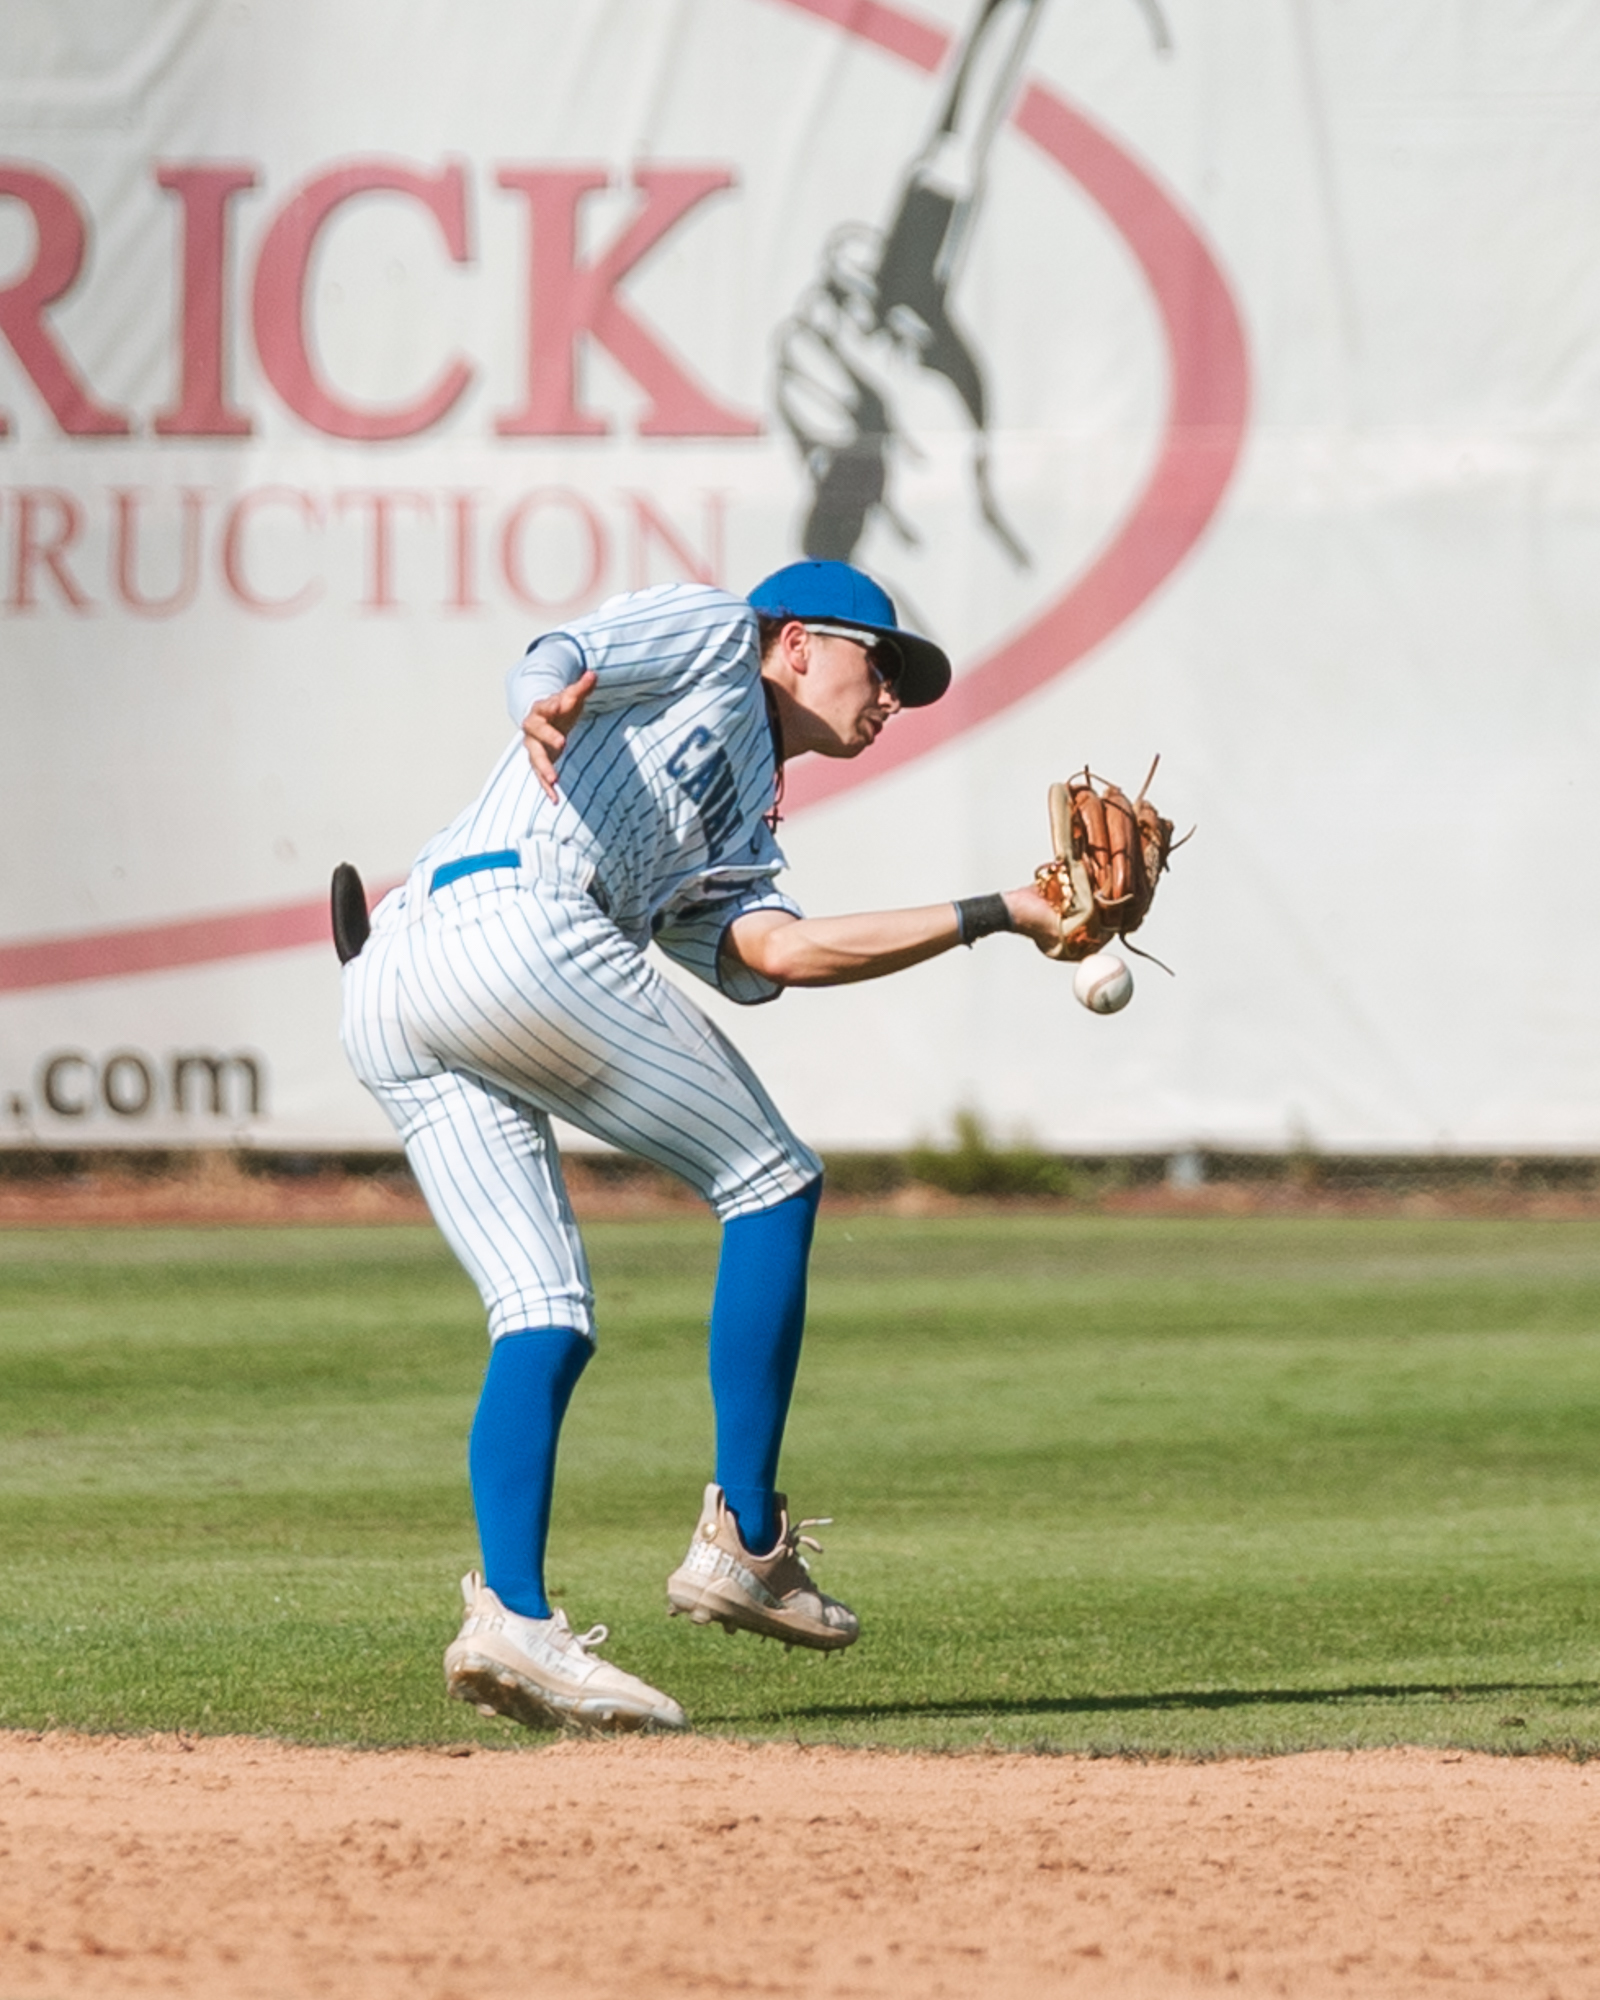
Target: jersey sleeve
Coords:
[[653, 644], [549, 665], [692, 936]]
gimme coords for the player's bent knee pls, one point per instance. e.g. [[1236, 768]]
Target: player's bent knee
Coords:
[[777, 1181]]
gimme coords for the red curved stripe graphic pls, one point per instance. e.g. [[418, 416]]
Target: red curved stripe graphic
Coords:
[[163, 947], [68, 961], [1207, 409], [918, 42]]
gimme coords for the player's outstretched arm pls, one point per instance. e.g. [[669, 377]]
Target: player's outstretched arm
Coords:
[[837, 951], [548, 724]]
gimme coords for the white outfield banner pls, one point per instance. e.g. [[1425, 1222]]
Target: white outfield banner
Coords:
[[1211, 377]]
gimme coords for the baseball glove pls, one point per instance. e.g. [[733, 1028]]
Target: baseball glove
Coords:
[[1110, 853]]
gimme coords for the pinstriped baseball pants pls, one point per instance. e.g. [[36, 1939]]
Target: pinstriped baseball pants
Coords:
[[478, 1011]]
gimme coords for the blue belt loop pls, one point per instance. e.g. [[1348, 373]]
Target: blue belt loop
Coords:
[[473, 864]]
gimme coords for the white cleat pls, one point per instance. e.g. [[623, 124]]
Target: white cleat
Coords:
[[720, 1582], [541, 1673]]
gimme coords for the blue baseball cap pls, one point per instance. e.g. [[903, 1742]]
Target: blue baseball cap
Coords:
[[835, 593]]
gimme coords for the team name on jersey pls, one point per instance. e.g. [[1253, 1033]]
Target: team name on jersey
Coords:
[[701, 767]]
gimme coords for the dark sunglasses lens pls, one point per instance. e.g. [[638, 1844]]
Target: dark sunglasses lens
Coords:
[[885, 656]]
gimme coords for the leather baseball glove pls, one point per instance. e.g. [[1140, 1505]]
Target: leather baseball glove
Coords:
[[1110, 853]]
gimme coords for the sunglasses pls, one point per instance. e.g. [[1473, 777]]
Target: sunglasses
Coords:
[[883, 655]]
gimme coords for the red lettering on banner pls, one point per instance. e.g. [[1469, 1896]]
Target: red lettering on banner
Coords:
[[240, 514], [651, 526], [429, 550], [44, 543], [568, 298], [202, 408], [280, 297], [62, 234], [464, 551], [125, 562], [380, 508], [511, 551]]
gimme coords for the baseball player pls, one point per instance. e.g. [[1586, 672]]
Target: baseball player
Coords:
[[507, 982]]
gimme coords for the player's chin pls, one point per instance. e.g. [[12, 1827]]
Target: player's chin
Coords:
[[850, 746]]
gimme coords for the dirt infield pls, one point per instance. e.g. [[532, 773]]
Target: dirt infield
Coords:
[[245, 1870]]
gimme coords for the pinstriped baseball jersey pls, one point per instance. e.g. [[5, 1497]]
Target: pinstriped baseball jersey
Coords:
[[667, 779]]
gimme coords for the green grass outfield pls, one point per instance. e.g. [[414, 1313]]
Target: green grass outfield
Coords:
[[1119, 1485]]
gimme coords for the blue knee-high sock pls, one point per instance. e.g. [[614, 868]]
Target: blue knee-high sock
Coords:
[[758, 1315], [512, 1457]]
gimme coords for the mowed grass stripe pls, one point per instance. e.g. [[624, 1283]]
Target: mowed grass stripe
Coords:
[[1111, 1484]]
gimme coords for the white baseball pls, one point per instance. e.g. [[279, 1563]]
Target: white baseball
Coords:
[[1103, 983]]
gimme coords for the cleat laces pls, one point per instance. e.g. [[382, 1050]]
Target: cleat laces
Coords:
[[797, 1538]]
